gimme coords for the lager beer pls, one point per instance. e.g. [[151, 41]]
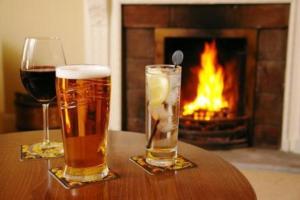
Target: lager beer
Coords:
[[83, 95]]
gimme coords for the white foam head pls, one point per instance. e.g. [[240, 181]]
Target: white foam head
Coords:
[[82, 71]]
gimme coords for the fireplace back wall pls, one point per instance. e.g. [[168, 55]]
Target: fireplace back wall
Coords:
[[270, 21]]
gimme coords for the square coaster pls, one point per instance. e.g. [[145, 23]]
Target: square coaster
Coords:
[[26, 155], [57, 173], [180, 163]]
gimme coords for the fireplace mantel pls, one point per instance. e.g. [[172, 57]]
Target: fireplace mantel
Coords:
[[103, 31]]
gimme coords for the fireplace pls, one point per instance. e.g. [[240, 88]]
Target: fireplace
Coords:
[[255, 46], [217, 83]]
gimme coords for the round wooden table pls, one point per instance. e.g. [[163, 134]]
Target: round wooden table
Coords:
[[213, 178]]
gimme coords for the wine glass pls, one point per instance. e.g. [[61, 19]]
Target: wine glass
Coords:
[[40, 57]]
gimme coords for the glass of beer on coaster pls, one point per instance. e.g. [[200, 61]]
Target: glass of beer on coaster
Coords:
[[162, 113], [83, 96]]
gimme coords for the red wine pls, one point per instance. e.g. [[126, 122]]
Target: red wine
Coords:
[[40, 82]]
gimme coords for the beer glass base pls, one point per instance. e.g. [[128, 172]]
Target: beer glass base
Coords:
[[47, 150], [85, 174], [161, 159], [160, 163]]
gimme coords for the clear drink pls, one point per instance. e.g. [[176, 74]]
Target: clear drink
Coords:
[[83, 95], [162, 113]]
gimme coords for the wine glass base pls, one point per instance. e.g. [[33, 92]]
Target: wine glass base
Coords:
[[47, 150]]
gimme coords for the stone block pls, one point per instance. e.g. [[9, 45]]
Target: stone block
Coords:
[[270, 77], [139, 43], [272, 44], [145, 15]]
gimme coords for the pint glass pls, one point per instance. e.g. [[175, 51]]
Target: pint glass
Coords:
[[83, 96], [162, 113]]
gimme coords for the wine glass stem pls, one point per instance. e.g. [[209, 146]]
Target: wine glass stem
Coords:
[[46, 140]]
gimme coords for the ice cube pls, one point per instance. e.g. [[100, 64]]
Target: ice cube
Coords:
[[159, 112], [173, 96], [165, 126], [174, 81]]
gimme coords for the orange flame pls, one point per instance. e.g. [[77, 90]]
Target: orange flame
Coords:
[[210, 86]]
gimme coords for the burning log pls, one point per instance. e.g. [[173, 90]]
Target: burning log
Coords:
[[203, 114], [209, 101]]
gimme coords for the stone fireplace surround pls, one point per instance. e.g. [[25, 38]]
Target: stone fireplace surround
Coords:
[[145, 28], [103, 44]]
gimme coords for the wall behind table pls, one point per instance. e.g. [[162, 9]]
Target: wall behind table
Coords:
[[18, 19]]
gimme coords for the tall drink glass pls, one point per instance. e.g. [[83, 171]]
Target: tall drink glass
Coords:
[[162, 113], [83, 95]]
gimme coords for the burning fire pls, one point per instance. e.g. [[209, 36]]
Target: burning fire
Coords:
[[210, 86]]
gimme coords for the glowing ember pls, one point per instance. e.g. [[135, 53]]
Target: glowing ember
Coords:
[[210, 87]]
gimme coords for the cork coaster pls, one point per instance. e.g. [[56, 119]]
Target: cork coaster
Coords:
[[180, 163], [27, 155], [57, 173]]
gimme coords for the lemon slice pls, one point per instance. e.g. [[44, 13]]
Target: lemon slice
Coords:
[[158, 86]]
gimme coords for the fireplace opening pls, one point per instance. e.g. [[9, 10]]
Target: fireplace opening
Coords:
[[216, 89], [212, 76]]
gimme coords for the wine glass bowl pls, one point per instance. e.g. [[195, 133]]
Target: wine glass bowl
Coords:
[[38, 82], [40, 58]]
